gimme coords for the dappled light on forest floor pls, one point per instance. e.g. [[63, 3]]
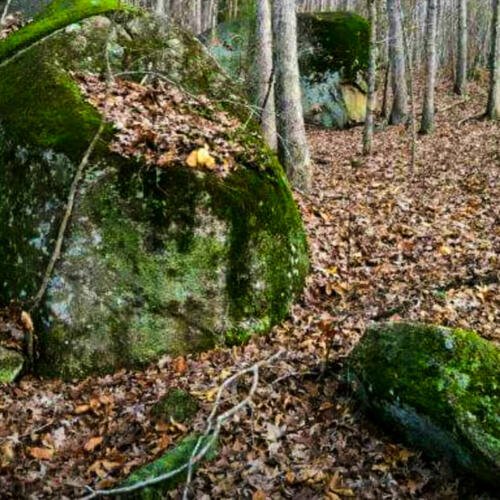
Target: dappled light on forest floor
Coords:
[[385, 244]]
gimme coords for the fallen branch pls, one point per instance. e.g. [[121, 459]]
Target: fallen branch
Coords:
[[471, 118], [212, 431], [75, 184]]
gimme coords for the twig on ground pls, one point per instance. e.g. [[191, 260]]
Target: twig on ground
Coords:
[[206, 441], [471, 118]]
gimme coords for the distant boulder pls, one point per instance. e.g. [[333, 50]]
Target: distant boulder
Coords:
[[438, 389], [333, 57]]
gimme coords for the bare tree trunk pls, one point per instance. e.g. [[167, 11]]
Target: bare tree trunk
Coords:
[[372, 73], [493, 110], [462, 49], [265, 74], [399, 110], [292, 144], [413, 113], [427, 124]]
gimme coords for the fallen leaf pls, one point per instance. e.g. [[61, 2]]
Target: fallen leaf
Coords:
[[93, 443]]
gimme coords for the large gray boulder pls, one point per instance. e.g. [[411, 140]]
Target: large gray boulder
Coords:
[[438, 389], [158, 259]]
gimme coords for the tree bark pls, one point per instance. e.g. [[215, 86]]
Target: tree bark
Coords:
[[372, 71], [427, 124], [292, 142], [399, 110], [493, 109], [462, 50], [265, 74]]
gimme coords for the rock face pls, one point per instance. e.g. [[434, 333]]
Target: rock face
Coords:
[[156, 260], [438, 388], [11, 365], [333, 54]]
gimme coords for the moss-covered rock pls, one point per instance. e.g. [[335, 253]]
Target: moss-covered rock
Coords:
[[11, 365], [438, 388], [333, 57], [156, 260], [177, 404], [172, 460]]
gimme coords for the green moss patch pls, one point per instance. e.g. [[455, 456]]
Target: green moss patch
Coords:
[[333, 41], [177, 404], [439, 387], [170, 461], [11, 365], [58, 14]]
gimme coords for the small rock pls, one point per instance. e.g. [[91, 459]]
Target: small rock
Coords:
[[11, 365]]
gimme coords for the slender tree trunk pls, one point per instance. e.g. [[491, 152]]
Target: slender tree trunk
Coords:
[[462, 49], [265, 74], [493, 109], [372, 73], [413, 113], [427, 124], [292, 144], [399, 110]]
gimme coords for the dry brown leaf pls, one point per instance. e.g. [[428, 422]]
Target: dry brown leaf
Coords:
[[41, 453], [93, 443]]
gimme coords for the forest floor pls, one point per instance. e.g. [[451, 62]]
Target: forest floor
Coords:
[[386, 243]]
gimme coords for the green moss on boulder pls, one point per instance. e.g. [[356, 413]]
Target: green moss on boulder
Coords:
[[438, 388], [156, 260], [334, 42]]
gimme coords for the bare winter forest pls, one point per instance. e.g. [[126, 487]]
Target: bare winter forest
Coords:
[[250, 249]]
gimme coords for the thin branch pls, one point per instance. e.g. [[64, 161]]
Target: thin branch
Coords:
[[212, 431], [75, 184], [5, 11]]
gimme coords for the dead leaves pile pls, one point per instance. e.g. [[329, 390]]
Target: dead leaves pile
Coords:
[[383, 245], [162, 125]]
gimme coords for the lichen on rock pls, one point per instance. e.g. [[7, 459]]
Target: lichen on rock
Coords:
[[157, 259], [437, 388]]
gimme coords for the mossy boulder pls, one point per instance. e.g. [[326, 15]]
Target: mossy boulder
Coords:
[[177, 404], [333, 58], [438, 389], [11, 365], [155, 261]]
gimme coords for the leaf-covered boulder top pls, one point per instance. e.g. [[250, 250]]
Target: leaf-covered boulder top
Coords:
[[168, 102]]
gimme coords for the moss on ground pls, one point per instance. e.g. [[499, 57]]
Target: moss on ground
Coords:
[[11, 365], [170, 461], [176, 404], [439, 382]]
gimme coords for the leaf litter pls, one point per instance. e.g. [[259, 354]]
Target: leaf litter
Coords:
[[384, 245]]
